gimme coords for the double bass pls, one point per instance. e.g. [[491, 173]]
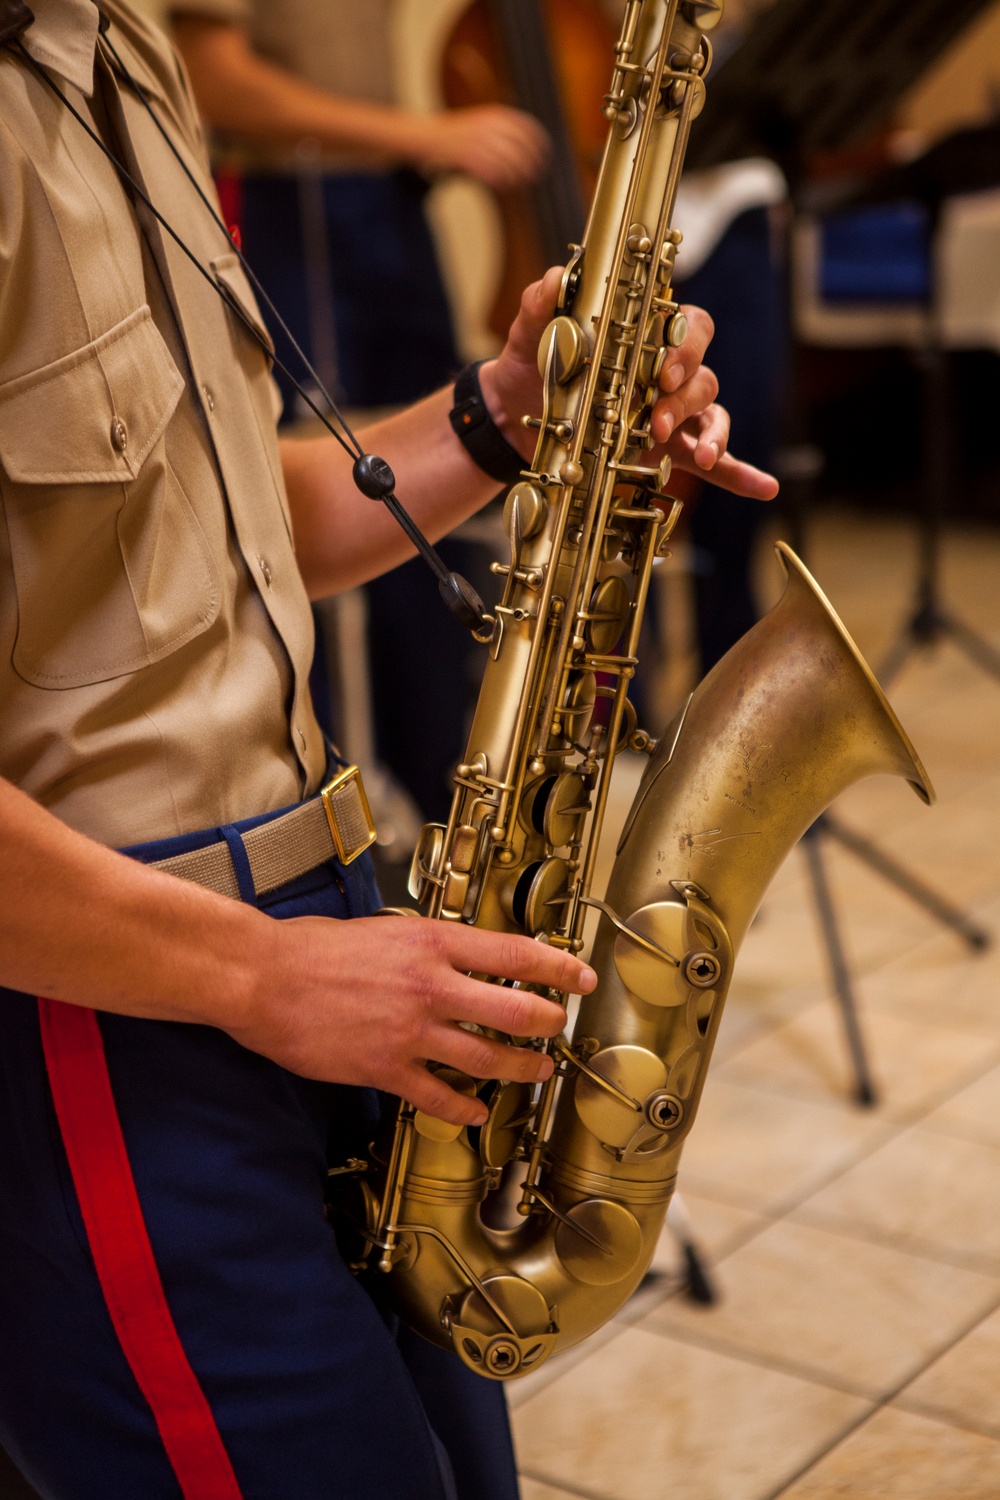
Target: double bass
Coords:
[[548, 58]]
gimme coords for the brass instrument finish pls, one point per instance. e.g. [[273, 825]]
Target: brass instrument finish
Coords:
[[785, 722]]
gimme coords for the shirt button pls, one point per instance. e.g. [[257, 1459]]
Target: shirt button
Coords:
[[265, 570], [119, 435], [209, 398]]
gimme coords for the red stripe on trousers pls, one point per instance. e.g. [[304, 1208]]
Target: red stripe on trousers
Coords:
[[98, 1160]]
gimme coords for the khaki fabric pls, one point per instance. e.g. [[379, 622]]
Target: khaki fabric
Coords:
[[155, 637], [339, 45]]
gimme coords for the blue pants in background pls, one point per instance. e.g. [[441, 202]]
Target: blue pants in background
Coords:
[[315, 1393], [394, 344], [742, 286]]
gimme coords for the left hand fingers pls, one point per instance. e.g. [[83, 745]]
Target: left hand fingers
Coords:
[[709, 431], [700, 448], [680, 364], [695, 395]]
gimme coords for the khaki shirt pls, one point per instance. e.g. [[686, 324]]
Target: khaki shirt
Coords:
[[343, 46], [155, 636]]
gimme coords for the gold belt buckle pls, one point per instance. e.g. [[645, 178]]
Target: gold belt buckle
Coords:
[[348, 814]]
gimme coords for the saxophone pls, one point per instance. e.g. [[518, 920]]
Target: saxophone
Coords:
[[785, 722]]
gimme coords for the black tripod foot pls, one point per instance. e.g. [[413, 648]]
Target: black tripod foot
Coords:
[[865, 1095], [698, 1285], [864, 1091]]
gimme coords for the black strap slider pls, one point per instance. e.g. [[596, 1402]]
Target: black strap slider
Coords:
[[373, 476], [463, 601]]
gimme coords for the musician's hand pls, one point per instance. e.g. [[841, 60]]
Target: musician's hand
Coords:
[[372, 1001], [505, 148], [686, 419], [690, 423], [511, 384]]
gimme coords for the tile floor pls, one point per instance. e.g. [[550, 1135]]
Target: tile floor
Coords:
[[855, 1347]]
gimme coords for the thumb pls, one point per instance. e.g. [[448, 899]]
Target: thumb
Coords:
[[538, 307]]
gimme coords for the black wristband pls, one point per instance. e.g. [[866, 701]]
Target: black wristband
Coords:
[[479, 434]]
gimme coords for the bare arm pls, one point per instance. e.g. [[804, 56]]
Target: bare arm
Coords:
[[246, 95], [363, 1002], [343, 539]]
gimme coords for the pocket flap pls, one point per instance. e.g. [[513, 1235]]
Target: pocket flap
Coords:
[[93, 416], [232, 278]]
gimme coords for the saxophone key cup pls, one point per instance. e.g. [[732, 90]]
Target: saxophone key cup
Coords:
[[535, 899], [599, 1242], [610, 1095], [501, 1328]]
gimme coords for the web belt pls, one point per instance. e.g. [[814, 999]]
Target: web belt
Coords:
[[336, 824]]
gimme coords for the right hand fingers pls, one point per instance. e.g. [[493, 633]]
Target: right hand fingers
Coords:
[[507, 955], [427, 1092], [482, 1057], [509, 1011]]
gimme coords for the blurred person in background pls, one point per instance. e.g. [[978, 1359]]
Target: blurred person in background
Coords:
[[332, 219]]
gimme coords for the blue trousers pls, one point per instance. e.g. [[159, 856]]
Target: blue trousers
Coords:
[[316, 1394]]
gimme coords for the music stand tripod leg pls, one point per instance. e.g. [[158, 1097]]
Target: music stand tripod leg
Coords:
[[922, 895], [929, 622], [864, 1088], [978, 650]]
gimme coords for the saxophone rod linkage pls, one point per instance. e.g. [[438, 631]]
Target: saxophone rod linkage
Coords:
[[630, 932], [565, 1051], [435, 1234]]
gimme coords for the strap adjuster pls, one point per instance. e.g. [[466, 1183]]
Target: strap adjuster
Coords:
[[348, 814]]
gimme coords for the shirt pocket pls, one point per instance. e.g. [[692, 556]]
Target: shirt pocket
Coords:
[[111, 569]]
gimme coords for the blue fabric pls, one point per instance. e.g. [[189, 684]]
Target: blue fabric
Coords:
[[393, 323], [241, 863], [742, 286], [314, 1393], [877, 254]]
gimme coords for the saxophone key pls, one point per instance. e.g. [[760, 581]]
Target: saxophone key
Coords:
[[463, 847], [611, 1089], [598, 1241], [536, 898], [511, 1111], [524, 512]]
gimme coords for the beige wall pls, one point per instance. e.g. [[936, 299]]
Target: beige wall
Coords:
[[964, 89]]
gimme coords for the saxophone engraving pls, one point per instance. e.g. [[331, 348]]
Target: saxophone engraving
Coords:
[[785, 722]]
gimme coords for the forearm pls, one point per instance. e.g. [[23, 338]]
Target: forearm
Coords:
[[81, 923], [362, 1002], [343, 539], [243, 94]]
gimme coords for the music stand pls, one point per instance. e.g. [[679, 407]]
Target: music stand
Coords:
[[966, 162], [810, 78]]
